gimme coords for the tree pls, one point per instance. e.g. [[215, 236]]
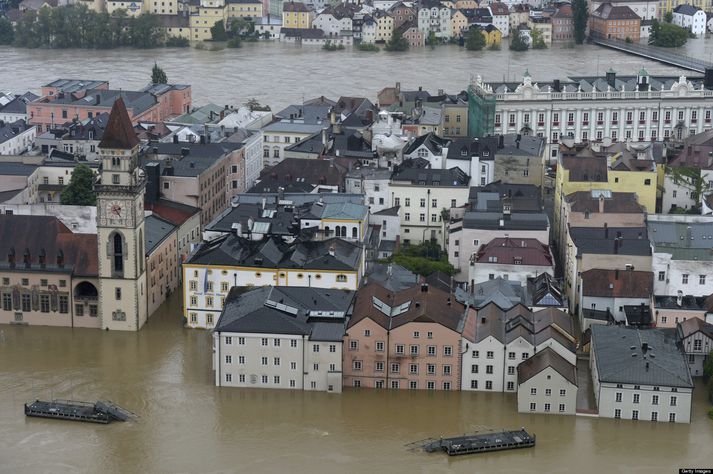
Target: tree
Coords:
[[580, 12], [708, 367], [158, 76], [145, 31], [518, 43], [475, 41], [397, 42], [423, 259], [667, 35], [7, 33], [237, 26], [432, 40], [80, 190], [538, 42], [668, 17], [217, 31]]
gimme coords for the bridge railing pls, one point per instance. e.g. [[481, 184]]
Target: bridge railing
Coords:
[[654, 52]]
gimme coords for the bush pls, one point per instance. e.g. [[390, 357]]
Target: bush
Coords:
[[329, 46], [710, 413], [235, 42], [628, 40], [518, 43], [475, 41], [368, 47], [177, 42]]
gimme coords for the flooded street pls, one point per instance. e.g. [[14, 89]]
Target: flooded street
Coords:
[[187, 425], [280, 73]]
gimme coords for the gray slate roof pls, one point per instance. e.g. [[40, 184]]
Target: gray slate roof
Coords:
[[616, 362], [157, 230], [287, 310]]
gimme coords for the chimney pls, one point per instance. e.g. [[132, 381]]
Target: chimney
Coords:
[[398, 88], [325, 138], [98, 98], [611, 78], [556, 85], [644, 345], [616, 274], [616, 246], [332, 250], [206, 132], [679, 298], [601, 207], [202, 140], [606, 231], [175, 139], [448, 301], [424, 287], [264, 202]]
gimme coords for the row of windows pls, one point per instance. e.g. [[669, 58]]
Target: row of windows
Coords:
[[489, 385], [264, 379], [434, 202], [684, 278], [422, 217], [42, 304], [491, 355], [395, 368], [636, 398], [225, 286], [396, 384], [629, 117], [548, 407], [26, 282], [654, 415], [400, 349]]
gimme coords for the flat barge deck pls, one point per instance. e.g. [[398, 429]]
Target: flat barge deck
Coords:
[[99, 412], [481, 443]]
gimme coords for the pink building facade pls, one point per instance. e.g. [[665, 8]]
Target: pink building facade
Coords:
[[409, 339]]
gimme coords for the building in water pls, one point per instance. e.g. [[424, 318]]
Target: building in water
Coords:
[[633, 108]]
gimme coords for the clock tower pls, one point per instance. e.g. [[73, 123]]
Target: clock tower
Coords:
[[120, 226]]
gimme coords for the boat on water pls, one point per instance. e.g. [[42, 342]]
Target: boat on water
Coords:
[[100, 412], [481, 442]]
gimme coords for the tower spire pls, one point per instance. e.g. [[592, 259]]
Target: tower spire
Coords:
[[119, 132]]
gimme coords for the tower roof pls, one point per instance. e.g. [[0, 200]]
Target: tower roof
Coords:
[[119, 132]]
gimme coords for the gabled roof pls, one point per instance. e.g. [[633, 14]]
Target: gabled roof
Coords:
[[617, 283], [431, 141], [391, 309], [119, 132], [686, 9], [639, 356], [513, 251], [691, 326], [543, 359]]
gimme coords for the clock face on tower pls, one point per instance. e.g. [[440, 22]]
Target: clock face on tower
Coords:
[[114, 210]]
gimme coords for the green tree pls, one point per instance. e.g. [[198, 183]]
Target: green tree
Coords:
[[217, 31], [158, 76], [668, 17], [518, 43], [80, 190], [238, 26], [668, 35], [397, 42], [432, 40], [538, 42], [145, 31], [7, 33], [475, 41], [423, 259], [580, 11], [708, 367]]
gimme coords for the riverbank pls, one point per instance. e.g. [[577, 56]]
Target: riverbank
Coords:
[[279, 74]]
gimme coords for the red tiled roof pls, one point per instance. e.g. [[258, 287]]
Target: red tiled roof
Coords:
[[38, 233], [511, 251], [119, 132], [617, 283], [175, 213]]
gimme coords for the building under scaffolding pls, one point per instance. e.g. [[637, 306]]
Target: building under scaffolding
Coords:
[[481, 111]]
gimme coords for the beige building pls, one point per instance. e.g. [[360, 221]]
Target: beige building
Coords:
[[547, 383], [161, 250]]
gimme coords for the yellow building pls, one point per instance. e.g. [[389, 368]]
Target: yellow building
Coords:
[[492, 35], [161, 7], [618, 172], [459, 23], [251, 9], [384, 26], [209, 13], [175, 26], [296, 15], [133, 8]]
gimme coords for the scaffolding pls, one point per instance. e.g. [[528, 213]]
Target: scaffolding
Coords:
[[481, 112]]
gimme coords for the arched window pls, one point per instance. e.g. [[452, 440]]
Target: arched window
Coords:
[[117, 254], [326, 231], [354, 232], [344, 231]]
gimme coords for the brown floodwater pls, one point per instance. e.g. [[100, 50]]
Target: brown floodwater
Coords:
[[186, 424]]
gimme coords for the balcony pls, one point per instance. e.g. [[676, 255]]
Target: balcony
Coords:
[[615, 122], [570, 124], [540, 124], [629, 122], [556, 123], [667, 121], [586, 122], [642, 122], [600, 122], [694, 120], [511, 124]]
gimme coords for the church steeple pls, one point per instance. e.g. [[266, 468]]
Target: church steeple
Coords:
[[119, 132]]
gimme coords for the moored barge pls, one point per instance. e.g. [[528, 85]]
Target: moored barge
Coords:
[[481, 443], [99, 412]]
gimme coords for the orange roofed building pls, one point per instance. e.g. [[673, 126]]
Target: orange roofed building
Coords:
[[408, 339]]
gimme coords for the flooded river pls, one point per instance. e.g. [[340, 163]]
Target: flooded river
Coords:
[[187, 425], [279, 73]]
